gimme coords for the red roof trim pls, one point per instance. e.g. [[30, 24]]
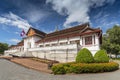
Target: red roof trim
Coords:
[[68, 35], [86, 33]]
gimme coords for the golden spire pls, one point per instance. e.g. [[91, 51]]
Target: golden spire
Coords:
[[56, 29]]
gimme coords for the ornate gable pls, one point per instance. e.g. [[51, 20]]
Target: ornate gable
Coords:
[[33, 31], [30, 32], [87, 30]]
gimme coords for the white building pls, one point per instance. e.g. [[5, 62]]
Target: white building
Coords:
[[60, 45]]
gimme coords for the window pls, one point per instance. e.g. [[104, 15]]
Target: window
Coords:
[[75, 42], [88, 40], [41, 45], [47, 45], [63, 43], [54, 44]]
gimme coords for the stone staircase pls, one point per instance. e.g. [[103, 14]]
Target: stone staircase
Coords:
[[19, 54]]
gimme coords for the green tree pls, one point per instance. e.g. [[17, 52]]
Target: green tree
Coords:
[[3, 47], [106, 43], [111, 40]]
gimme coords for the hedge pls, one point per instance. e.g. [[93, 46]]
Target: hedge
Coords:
[[84, 56], [101, 57], [84, 68], [59, 69]]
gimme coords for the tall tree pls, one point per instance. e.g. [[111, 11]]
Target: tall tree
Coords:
[[111, 40], [3, 47]]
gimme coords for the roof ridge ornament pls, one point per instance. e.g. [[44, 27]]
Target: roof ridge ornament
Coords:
[[85, 28], [56, 28]]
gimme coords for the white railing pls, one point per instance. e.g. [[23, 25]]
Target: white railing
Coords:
[[10, 51], [69, 46], [13, 52]]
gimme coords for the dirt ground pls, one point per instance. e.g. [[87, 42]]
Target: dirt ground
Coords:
[[32, 64]]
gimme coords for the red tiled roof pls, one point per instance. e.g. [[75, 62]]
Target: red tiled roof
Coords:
[[70, 32], [20, 43], [12, 46]]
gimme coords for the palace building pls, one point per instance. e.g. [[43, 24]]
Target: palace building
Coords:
[[61, 45]]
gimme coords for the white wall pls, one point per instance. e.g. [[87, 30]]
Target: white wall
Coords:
[[74, 38], [63, 40], [94, 47], [30, 41], [61, 53]]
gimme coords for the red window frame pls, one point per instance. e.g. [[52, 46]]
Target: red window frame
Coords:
[[88, 40]]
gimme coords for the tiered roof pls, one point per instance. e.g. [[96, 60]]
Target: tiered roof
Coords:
[[70, 32]]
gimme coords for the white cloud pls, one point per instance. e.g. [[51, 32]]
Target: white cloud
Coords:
[[106, 21], [5, 28], [14, 20], [76, 10], [17, 33], [98, 15], [15, 40], [32, 11], [35, 15]]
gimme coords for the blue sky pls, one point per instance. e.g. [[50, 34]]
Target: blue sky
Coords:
[[45, 15]]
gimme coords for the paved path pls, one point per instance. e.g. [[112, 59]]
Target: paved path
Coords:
[[12, 71], [32, 64]]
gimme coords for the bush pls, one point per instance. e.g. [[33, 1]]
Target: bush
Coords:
[[101, 57], [58, 69], [94, 67], [84, 68], [84, 56]]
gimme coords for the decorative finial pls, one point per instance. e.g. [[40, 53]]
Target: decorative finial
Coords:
[[56, 28], [88, 25]]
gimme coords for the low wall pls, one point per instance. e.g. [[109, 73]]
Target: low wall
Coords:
[[63, 53], [66, 55]]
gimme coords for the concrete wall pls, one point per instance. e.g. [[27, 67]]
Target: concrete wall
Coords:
[[30, 42], [14, 50], [61, 53]]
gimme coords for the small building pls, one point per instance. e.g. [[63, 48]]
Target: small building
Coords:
[[60, 45]]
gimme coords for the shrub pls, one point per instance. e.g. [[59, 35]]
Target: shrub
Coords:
[[58, 69], [101, 57], [84, 56], [94, 67], [84, 68]]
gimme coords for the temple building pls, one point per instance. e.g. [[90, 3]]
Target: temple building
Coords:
[[61, 45]]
